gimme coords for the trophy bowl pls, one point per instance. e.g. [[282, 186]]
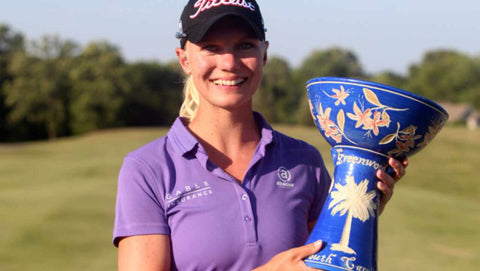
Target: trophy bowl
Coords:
[[365, 123]]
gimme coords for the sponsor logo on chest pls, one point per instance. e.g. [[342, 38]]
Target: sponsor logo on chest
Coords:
[[188, 193], [285, 178]]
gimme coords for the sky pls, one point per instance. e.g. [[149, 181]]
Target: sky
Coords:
[[384, 34]]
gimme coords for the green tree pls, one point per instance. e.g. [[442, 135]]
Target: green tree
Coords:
[[472, 94], [39, 91], [330, 62], [10, 43], [445, 75], [154, 96], [391, 79], [277, 97], [98, 86]]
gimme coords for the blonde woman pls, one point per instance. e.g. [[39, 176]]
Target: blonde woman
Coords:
[[222, 190]]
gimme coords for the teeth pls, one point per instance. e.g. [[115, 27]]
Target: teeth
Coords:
[[228, 82]]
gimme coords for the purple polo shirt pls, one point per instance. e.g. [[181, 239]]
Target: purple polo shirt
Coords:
[[215, 223]]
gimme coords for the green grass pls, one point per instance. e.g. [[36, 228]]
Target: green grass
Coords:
[[57, 202]]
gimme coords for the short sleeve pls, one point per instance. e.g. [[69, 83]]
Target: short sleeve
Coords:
[[139, 207], [323, 182]]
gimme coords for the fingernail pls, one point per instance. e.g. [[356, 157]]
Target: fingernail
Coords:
[[318, 243]]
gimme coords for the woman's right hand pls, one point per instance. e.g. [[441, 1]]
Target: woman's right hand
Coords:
[[292, 259]]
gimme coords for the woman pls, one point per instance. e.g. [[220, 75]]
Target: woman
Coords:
[[222, 190]]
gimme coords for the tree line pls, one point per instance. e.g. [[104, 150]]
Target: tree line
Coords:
[[53, 87]]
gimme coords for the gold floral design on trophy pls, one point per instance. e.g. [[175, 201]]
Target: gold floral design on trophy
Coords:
[[432, 132], [334, 130], [373, 118], [340, 95], [370, 119], [404, 140]]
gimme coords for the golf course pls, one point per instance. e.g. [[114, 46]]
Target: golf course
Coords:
[[57, 201]]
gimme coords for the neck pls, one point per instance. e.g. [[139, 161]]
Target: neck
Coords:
[[223, 128], [229, 138]]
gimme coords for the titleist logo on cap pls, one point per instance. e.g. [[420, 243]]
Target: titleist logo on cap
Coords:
[[203, 5]]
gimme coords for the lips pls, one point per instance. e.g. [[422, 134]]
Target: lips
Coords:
[[221, 82]]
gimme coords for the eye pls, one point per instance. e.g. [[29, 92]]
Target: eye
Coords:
[[210, 48], [246, 46]]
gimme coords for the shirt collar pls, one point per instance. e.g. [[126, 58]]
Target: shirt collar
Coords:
[[183, 141], [266, 132]]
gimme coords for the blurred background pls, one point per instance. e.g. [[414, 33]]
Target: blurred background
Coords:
[[82, 83]]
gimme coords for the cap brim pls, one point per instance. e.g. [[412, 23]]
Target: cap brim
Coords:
[[199, 32]]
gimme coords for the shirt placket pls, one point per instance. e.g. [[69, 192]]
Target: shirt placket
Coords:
[[248, 218], [248, 215]]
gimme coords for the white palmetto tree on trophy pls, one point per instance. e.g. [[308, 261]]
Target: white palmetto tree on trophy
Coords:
[[356, 202]]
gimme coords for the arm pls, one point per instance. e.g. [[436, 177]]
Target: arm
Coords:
[[144, 252]]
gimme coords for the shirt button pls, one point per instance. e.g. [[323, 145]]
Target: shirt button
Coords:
[[244, 197], [247, 219]]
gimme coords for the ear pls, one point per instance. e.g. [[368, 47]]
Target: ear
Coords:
[[182, 59], [265, 53]]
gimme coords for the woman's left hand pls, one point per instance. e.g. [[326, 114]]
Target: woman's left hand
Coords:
[[387, 182]]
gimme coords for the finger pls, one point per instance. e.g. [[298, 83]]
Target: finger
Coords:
[[405, 162], [384, 188], [385, 179], [385, 185], [385, 196], [398, 167], [307, 250]]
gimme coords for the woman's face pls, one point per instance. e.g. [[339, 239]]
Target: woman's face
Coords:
[[227, 65]]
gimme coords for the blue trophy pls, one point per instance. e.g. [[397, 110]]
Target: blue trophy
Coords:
[[365, 123]]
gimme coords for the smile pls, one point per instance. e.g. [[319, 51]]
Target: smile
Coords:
[[229, 82]]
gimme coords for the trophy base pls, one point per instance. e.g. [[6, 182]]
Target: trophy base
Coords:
[[348, 222], [326, 267]]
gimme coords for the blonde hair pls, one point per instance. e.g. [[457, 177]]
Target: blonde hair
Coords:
[[190, 99]]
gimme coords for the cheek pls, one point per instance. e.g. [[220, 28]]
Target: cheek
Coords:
[[201, 65], [254, 63], [256, 67]]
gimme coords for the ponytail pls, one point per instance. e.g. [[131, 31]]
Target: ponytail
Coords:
[[190, 99]]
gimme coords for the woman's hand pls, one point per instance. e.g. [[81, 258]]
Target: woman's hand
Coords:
[[387, 182], [292, 259]]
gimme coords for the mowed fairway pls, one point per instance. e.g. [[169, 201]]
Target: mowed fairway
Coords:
[[57, 202]]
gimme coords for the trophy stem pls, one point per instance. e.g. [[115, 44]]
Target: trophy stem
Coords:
[[348, 222]]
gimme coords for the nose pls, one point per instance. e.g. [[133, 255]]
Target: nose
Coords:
[[228, 61]]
